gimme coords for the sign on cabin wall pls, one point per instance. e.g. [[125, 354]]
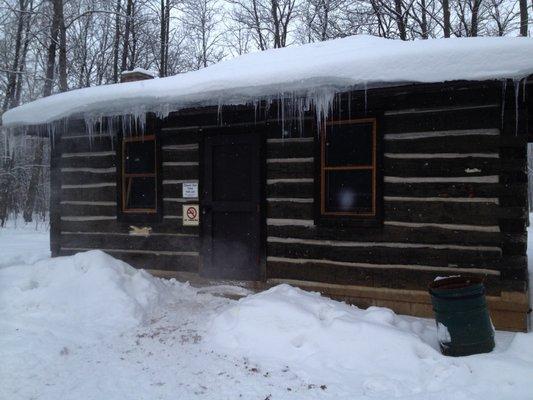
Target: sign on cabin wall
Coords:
[[191, 215], [190, 190]]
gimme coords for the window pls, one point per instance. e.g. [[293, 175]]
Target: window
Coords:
[[139, 175], [348, 169]]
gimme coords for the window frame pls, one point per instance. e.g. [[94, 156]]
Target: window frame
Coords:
[[323, 216], [138, 214]]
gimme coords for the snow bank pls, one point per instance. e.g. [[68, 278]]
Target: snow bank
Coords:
[[89, 292], [299, 326], [373, 349], [316, 70]]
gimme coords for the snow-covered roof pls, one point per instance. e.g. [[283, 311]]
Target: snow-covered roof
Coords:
[[314, 70]]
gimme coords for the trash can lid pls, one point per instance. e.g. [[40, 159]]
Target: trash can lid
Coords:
[[456, 285]]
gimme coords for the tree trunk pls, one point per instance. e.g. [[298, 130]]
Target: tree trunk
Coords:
[[424, 20], [133, 33], [474, 21], [523, 17], [51, 58], [57, 21], [162, 38], [446, 18], [22, 63], [63, 84], [116, 42], [34, 181], [325, 23], [12, 76], [167, 37], [276, 23], [399, 19], [126, 44]]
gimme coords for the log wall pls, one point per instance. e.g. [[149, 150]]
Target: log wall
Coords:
[[454, 191]]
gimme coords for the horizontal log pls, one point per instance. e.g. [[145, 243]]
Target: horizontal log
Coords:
[[290, 210], [513, 177], [163, 262], [442, 212], [106, 193], [182, 155], [513, 225], [87, 144], [173, 135], [440, 144], [456, 167], [291, 189], [398, 278], [422, 96], [388, 233], [290, 170], [182, 172], [108, 161], [124, 241], [381, 244], [290, 149], [469, 118], [117, 226], [388, 255], [454, 227], [87, 210], [73, 178], [442, 189]]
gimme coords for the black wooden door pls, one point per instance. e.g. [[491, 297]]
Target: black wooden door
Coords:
[[230, 207]]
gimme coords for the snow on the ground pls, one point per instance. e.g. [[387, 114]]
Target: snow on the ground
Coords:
[[24, 243], [91, 327], [316, 70]]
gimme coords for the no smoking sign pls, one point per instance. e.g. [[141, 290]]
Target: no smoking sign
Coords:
[[191, 215]]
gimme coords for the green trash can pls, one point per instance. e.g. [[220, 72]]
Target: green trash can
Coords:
[[463, 321]]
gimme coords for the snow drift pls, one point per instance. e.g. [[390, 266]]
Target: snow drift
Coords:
[[316, 71], [93, 327], [89, 292], [375, 350]]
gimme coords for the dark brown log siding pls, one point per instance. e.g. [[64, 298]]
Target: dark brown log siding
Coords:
[[473, 220]]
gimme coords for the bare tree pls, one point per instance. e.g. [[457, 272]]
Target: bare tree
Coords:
[[127, 29], [202, 20], [116, 41], [15, 69], [523, 17], [269, 21]]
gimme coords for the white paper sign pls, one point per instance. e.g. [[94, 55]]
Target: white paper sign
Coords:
[[191, 214], [190, 190]]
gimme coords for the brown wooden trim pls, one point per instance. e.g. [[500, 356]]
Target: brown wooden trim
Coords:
[[372, 168], [127, 177]]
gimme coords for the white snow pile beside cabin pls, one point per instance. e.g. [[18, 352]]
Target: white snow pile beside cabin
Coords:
[[315, 70], [375, 350], [83, 297], [91, 327]]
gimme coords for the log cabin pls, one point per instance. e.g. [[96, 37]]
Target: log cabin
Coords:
[[366, 199]]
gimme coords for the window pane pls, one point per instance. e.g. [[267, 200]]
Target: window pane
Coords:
[[139, 157], [348, 191], [349, 144], [140, 193]]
